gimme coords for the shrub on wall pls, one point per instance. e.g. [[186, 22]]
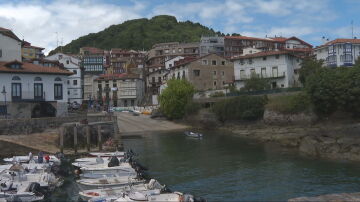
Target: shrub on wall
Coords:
[[290, 104], [240, 108]]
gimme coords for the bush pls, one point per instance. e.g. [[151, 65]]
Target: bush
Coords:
[[240, 108], [217, 94], [290, 104], [192, 108], [175, 97], [256, 83]]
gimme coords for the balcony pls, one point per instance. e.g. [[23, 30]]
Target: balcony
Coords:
[[28, 96], [274, 76]]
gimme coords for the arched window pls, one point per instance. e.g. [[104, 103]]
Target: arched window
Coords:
[[57, 79], [37, 79], [16, 78]]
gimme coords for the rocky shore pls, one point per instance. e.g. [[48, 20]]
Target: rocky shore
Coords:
[[337, 141]]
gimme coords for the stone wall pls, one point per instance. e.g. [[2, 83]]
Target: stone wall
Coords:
[[276, 118], [36, 125]]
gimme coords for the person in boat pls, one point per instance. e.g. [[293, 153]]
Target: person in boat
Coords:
[[47, 158], [41, 157], [114, 161]]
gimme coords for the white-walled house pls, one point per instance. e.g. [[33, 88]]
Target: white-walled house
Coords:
[[10, 46], [33, 90], [338, 52], [75, 91], [171, 62], [281, 67]]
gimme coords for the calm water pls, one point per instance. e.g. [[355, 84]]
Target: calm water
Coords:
[[222, 167]]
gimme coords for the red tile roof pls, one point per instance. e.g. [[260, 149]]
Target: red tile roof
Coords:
[[29, 68], [341, 40], [260, 54], [246, 38], [93, 50]]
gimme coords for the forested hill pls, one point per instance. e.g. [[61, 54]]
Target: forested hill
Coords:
[[141, 34]]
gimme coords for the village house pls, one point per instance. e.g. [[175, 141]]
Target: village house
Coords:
[[338, 52], [121, 61], [210, 72], [30, 52], [155, 79], [280, 67], [119, 90], [234, 45], [164, 51], [71, 63], [10, 46], [211, 44]]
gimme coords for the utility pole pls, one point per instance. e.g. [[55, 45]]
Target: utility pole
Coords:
[[57, 39], [352, 29]]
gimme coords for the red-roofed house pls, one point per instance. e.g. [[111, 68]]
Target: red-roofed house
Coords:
[[338, 52], [29, 52], [234, 45], [280, 67], [10, 46]]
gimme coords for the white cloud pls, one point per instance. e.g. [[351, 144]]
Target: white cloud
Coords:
[[37, 22]]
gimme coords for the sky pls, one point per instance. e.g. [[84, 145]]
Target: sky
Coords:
[[47, 23]]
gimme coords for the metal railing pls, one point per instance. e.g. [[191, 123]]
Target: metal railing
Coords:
[[265, 76]]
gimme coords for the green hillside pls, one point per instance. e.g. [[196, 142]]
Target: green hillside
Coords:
[[141, 34]]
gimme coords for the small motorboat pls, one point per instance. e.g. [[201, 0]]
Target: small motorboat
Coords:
[[151, 188], [23, 192], [193, 134], [107, 154], [86, 184], [138, 196], [26, 159]]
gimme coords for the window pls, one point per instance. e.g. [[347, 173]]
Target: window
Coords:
[[37, 79], [250, 61], [214, 73], [179, 50], [16, 78], [242, 61], [167, 51], [174, 51], [242, 74], [16, 91], [57, 79], [222, 73], [132, 102], [264, 58], [275, 72], [0, 53], [68, 82], [58, 91], [196, 72], [213, 62], [38, 90], [277, 56], [159, 79], [214, 83], [204, 62], [222, 62], [74, 82], [183, 75], [252, 72], [153, 79], [263, 72], [75, 72]]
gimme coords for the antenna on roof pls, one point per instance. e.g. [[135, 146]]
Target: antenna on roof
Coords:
[[352, 29], [57, 39], [61, 44]]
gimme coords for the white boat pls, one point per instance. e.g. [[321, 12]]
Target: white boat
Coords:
[[24, 192], [151, 188], [83, 162], [107, 154], [105, 175], [26, 159], [192, 134], [104, 168], [138, 196], [85, 184]]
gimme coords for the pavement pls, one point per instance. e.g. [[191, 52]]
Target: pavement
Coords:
[[130, 124]]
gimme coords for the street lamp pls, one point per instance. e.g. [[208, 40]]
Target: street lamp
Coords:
[[4, 93]]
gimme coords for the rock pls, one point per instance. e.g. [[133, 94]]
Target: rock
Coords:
[[273, 117], [308, 146]]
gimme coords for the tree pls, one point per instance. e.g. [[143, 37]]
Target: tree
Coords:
[[175, 97], [256, 83], [309, 66]]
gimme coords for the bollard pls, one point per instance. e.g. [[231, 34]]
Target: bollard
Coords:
[[62, 133], [99, 137], [75, 139], [88, 138]]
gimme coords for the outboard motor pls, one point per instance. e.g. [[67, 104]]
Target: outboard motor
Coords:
[[114, 161], [35, 188]]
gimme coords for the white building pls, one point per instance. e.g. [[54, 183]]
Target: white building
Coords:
[[10, 46], [33, 90], [75, 91], [281, 67], [339, 52], [170, 63]]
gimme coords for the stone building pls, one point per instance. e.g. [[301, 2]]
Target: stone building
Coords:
[[210, 72], [211, 44], [119, 90]]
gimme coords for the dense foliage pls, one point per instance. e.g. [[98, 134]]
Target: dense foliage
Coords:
[[175, 98], [256, 83], [141, 34], [290, 104], [240, 108], [333, 89], [309, 66]]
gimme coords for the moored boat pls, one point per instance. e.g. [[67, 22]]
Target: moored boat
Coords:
[[138, 196], [85, 184], [193, 134]]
